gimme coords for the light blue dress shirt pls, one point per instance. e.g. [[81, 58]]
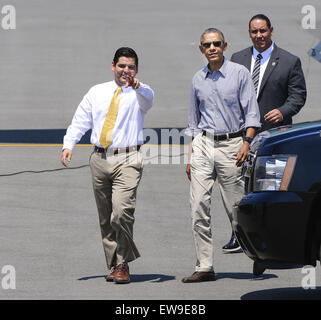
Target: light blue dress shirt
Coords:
[[222, 101]]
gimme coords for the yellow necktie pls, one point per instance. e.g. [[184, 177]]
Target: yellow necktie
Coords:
[[107, 131]]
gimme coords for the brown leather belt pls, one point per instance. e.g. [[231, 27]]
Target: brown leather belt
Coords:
[[117, 150], [224, 136]]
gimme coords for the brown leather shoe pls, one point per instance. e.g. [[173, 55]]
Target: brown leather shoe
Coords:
[[122, 273], [111, 276], [200, 277]]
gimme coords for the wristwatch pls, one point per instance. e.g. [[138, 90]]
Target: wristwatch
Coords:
[[248, 139]]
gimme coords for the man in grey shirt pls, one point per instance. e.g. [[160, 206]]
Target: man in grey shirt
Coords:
[[222, 120]]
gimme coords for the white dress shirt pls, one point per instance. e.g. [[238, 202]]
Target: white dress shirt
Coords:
[[93, 108], [264, 62]]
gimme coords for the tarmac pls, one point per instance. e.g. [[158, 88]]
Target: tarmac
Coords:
[[49, 231]]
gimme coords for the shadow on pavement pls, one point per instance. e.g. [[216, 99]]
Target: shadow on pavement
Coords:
[[297, 293], [139, 277], [243, 275]]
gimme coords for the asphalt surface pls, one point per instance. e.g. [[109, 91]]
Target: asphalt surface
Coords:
[[49, 228]]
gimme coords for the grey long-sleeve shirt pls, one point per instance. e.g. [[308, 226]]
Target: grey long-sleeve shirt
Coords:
[[223, 101]]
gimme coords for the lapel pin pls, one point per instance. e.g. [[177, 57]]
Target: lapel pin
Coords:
[[273, 64]]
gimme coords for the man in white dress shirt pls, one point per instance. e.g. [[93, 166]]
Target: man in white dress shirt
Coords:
[[117, 168]]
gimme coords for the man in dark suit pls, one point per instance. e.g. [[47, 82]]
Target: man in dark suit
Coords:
[[281, 91], [278, 79]]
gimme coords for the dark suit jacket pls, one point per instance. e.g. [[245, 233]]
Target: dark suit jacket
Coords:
[[283, 85]]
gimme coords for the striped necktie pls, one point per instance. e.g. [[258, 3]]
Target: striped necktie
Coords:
[[110, 120], [256, 71]]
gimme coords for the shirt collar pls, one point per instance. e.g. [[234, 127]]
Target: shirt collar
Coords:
[[265, 54], [222, 70], [124, 89]]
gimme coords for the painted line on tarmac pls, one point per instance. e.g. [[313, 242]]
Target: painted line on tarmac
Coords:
[[77, 145]]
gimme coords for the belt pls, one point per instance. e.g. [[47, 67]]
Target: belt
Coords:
[[224, 136], [117, 150]]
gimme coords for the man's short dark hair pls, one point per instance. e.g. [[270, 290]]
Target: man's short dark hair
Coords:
[[212, 30], [261, 17], [125, 52]]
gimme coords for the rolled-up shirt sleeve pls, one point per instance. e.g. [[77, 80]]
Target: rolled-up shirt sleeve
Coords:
[[145, 97], [81, 123], [248, 100], [194, 115]]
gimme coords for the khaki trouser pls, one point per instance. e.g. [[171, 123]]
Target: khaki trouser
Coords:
[[115, 180], [212, 160]]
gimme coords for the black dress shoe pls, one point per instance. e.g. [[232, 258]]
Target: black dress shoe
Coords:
[[200, 276], [232, 246]]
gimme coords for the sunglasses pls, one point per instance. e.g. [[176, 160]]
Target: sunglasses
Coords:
[[208, 44]]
